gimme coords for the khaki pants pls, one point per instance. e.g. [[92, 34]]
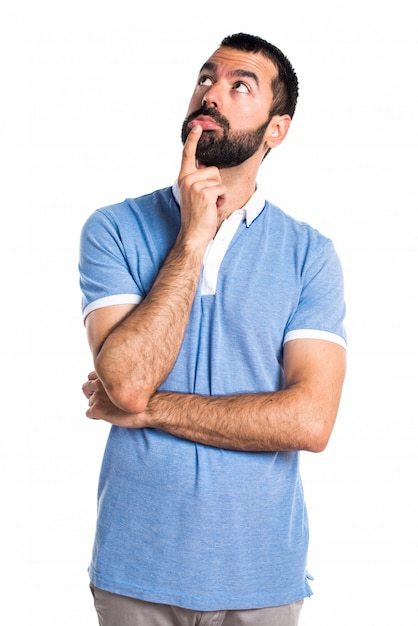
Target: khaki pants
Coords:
[[116, 610]]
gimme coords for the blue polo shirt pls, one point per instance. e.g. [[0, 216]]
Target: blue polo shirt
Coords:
[[183, 523]]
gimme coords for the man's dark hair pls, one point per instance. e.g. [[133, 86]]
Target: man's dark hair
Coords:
[[285, 85]]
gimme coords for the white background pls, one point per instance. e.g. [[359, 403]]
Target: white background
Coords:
[[93, 97]]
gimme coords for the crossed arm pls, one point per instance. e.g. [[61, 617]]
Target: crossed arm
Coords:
[[134, 349], [300, 417]]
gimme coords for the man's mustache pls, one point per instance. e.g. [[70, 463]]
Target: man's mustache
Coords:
[[210, 112]]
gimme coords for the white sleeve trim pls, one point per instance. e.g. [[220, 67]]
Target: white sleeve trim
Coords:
[[310, 333], [123, 298]]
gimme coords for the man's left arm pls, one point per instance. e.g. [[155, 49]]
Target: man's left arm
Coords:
[[299, 417]]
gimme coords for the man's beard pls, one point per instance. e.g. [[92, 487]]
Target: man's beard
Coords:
[[229, 149]]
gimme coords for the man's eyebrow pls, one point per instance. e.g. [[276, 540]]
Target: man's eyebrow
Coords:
[[246, 74], [208, 66], [211, 67]]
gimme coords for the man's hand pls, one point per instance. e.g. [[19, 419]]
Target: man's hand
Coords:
[[200, 190], [102, 408]]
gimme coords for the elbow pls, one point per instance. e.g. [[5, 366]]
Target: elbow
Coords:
[[128, 401], [317, 444], [122, 393], [319, 436], [126, 398]]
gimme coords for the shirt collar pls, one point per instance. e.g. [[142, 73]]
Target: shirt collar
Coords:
[[249, 211]]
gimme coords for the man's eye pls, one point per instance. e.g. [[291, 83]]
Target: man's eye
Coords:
[[241, 87], [205, 81]]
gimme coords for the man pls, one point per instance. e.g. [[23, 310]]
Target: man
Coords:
[[216, 325]]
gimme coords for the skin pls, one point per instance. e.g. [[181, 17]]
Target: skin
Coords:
[[135, 347]]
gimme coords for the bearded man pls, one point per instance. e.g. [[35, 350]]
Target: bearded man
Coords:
[[215, 322]]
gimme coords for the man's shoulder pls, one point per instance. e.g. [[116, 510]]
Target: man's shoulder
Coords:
[[155, 206], [161, 197], [292, 226]]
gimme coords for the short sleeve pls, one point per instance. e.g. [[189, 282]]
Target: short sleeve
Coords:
[[105, 276], [321, 308]]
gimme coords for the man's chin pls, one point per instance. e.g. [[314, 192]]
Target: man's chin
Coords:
[[220, 161]]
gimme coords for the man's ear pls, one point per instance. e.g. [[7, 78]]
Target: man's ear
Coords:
[[277, 130]]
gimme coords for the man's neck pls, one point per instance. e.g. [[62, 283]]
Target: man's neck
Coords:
[[240, 185]]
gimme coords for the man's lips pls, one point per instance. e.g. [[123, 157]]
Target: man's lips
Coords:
[[207, 123]]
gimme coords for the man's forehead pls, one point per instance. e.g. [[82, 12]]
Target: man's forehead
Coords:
[[231, 60]]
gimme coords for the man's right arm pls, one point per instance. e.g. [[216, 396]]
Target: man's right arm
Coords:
[[135, 348]]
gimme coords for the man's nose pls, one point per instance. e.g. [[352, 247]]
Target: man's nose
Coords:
[[212, 97]]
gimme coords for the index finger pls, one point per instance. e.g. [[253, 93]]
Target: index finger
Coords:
[[188, 159]]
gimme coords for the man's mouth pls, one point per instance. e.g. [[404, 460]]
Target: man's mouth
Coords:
[[207, 123]]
